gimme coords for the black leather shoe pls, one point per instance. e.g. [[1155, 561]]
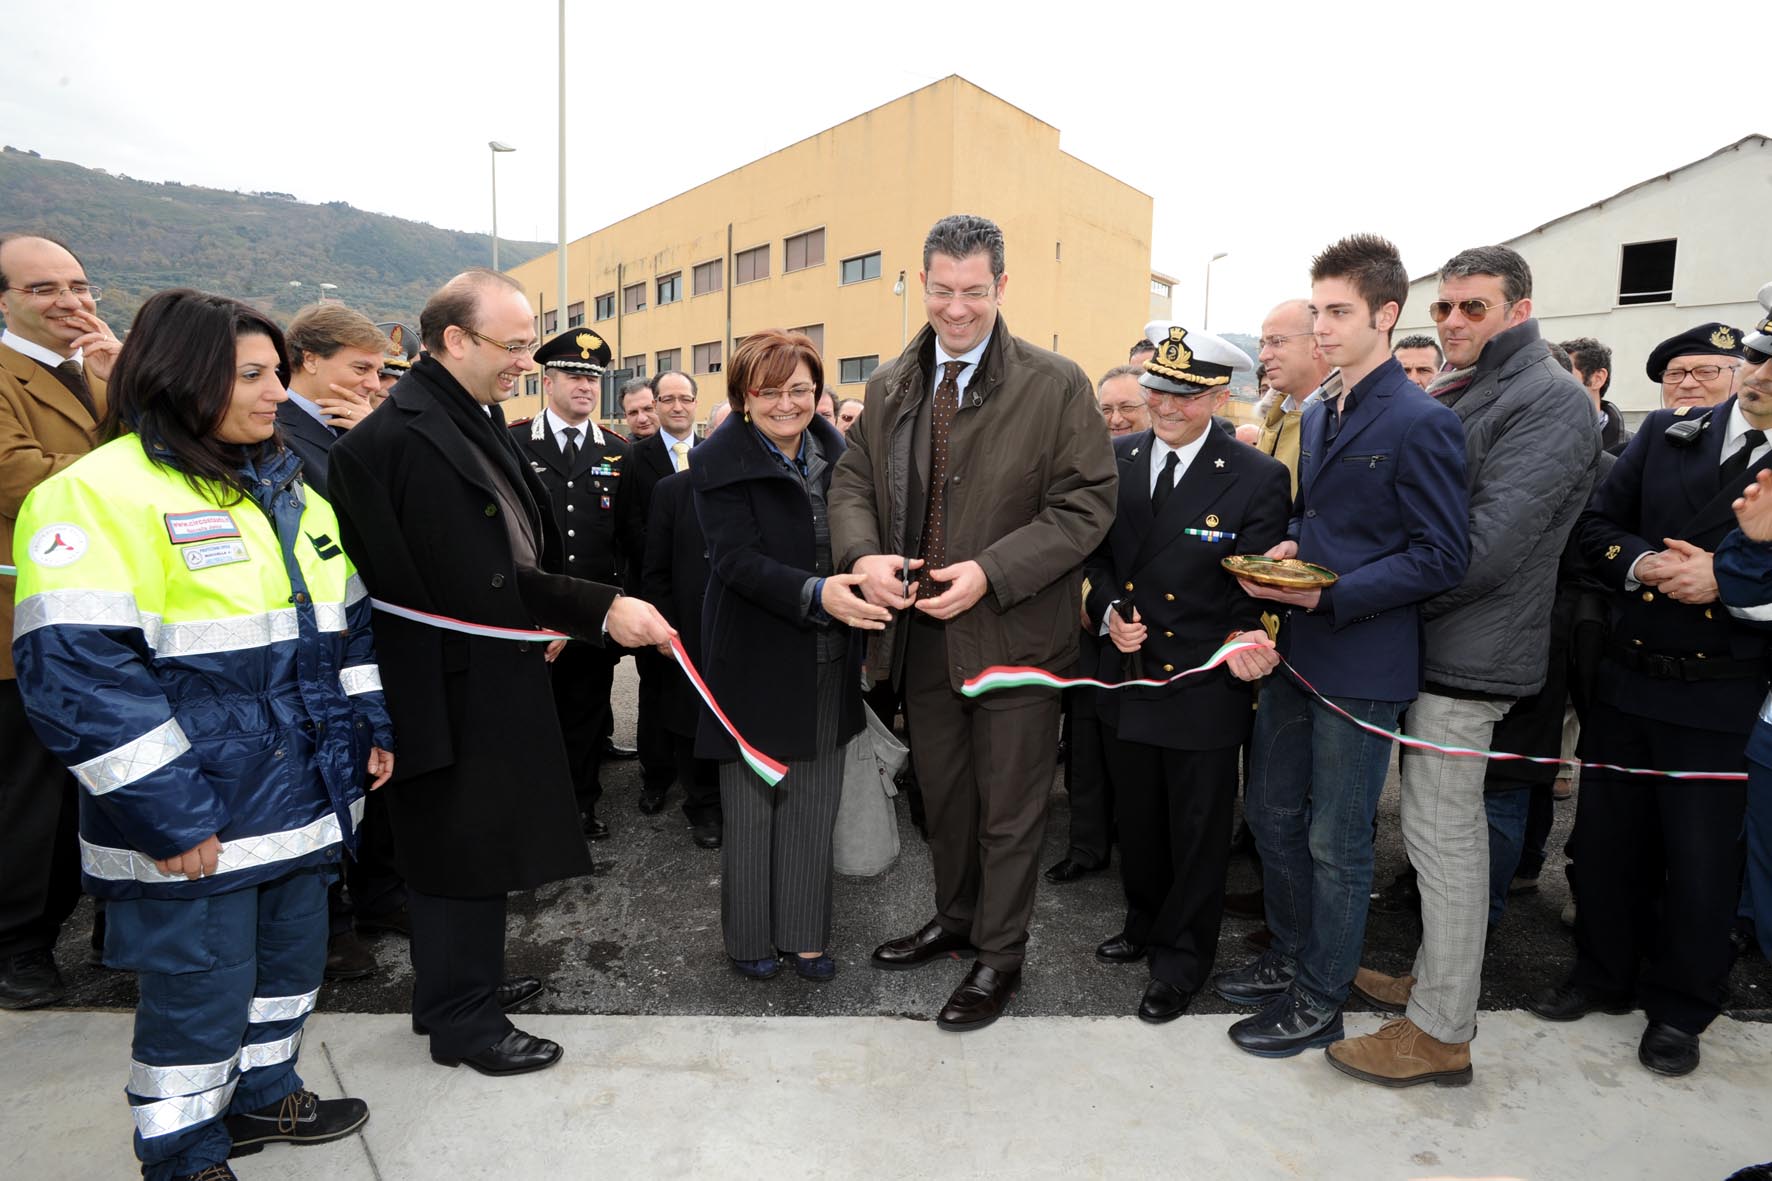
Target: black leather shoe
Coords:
[[397, 921], [1120, 950], [653, 802], [300, 1117], [1069, 870], [348, 957], [592, 827], [514, 1053], [980, 999], [512, 994], [1667, 1050], [30, 980], [709, 834], [1251, 904], [618, 753], [1402, 896], [1162, 1002], [913, 951], [219, 1172], [1258, 982], [1289, 1024], [1570, 1001]]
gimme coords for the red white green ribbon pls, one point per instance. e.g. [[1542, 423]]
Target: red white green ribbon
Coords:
[[1005, 676], [8, 571], [767, 769]]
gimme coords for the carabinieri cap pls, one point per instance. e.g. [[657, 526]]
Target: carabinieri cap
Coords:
[[576, 350]]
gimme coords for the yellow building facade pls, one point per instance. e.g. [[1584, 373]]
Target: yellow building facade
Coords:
[[816, 236]]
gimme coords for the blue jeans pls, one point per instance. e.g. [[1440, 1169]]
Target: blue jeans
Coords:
[[1508, 811], [1759, 850], [1314, 784]]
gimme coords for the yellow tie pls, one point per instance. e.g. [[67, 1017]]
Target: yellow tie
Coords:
[[681, 451]]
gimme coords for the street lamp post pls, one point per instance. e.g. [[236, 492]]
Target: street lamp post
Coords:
[[1206, 311], [496, 147]]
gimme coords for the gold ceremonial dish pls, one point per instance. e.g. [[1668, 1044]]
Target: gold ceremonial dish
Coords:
[[1289, 573]]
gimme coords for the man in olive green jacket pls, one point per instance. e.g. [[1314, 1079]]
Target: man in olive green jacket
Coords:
[[977, 480]]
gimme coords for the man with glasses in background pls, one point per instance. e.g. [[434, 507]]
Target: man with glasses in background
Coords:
[[54, 359], [442, 515], [1698, 367], [977, 480], [1295, 369]]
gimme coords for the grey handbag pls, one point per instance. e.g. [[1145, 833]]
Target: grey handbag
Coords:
[[865, 842]]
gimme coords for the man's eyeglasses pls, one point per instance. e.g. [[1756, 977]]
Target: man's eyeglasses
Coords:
[[57, 290], [1473, 310], [1153, 395], [795, 392], [975, 296], [514, 348], [1700, 372], [1278, 341]]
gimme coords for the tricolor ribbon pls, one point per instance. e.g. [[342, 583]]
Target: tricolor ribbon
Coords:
[[1004, 676], [768, 770], [6, 571]]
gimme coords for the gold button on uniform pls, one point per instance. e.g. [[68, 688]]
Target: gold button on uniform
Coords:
[[1168, 668], [1168, 598], [1128, 586], [1168, 635], [1648, 596]]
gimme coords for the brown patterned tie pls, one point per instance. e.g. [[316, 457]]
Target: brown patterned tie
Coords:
[[941, 421]]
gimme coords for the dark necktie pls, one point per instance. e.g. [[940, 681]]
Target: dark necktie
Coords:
[[70, 374], [1732, 468], [1165, 484], [570, 451], [941, 421]]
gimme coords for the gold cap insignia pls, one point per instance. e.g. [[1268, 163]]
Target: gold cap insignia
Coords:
[[1211, 520], [1765, 326], [1723, 338], [586, 341], [394, 335], [1173, 351]]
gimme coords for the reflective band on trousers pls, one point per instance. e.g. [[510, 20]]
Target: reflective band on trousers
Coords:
[[124, 865], [181, 1112], [164, 1082], [360, 678], [257, 1054], [280, 1008], [133, 760], [191, 637]]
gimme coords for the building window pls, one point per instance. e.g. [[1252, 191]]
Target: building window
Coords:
[[750, 265], [575, 314], [670, 289], [854, 370], [669, 359], [532, 385], [802, 251], [612, 398], [633, 298], [550, 322], [1058, 251], [815, 333], [1159, 289], [606, 306], [707, 276], [636, 364], [1646, 272], [855, 270], [707, 357]]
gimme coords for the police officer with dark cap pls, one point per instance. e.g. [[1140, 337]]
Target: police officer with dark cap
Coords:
[[1679, 684], [598, 517], [1699, 367], [402, 352]]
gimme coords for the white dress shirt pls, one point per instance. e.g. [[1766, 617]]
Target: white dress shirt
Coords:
[[971, 358], [1160, 456], [587, 430], [48, 358]]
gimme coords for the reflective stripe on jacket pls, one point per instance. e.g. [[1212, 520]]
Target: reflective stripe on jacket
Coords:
[[201, 668]]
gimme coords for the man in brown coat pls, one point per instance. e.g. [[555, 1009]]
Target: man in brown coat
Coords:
[[54, 358], [977, 480]]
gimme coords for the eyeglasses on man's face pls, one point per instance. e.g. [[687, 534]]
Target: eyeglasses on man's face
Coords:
[[57, 290], [515, 348], [1473, 310], [1701, 373], [976, 295], [1278, 340]]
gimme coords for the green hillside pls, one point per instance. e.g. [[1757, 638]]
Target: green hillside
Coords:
[[138, 237]]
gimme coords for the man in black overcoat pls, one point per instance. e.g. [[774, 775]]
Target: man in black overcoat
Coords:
[[442, 516]]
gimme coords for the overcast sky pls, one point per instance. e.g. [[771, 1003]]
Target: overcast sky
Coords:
[[1262, 130]]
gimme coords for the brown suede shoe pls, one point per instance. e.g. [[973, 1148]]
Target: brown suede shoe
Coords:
[[1387, 994], [1401, 1055]]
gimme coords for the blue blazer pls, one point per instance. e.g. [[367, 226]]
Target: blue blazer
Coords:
[[1385, 507]]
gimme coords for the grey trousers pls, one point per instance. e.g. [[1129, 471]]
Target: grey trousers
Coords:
[[775, 859], [1446, 831]]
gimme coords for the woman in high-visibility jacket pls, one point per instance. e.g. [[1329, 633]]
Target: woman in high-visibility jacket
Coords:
[[193, 642]]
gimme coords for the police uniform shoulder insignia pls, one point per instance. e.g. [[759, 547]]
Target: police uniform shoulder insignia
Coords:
[[1723, 338]]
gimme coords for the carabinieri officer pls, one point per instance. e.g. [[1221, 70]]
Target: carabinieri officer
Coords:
[[1189, 496]]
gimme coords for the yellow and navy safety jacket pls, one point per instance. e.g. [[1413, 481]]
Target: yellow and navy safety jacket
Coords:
[[201, 668]]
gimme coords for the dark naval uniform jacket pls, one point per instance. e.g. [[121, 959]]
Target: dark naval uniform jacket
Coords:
[[1231, 500], [1693, 665], [595, 507]]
